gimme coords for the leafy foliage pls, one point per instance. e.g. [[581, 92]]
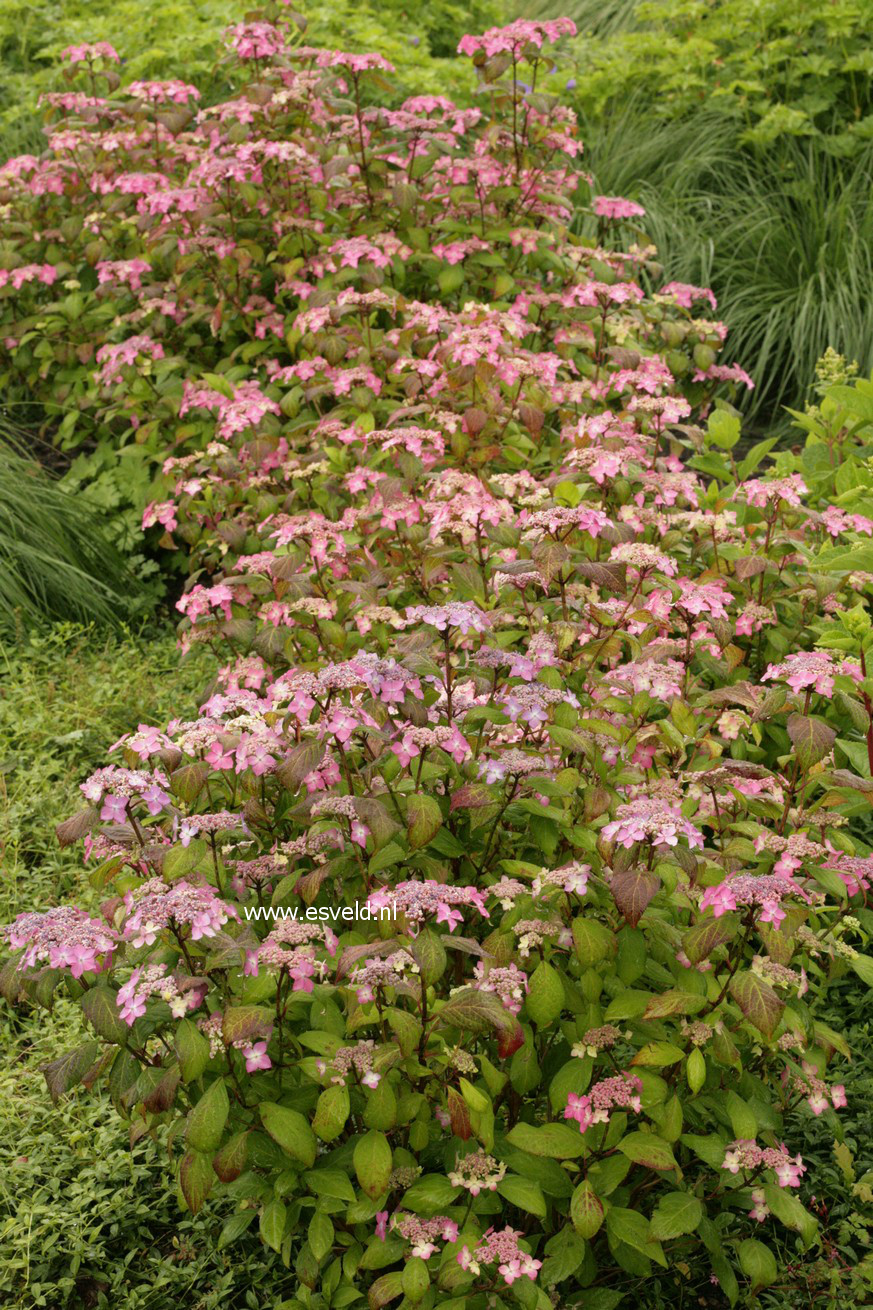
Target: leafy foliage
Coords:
[[472, 936], [745, 130], [33, 34]]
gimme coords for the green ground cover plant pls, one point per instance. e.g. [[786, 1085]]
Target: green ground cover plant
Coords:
[[478, 935]]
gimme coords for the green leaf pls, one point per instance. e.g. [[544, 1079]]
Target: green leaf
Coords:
[[290, 1130], [246, 1022], [743, 1122], [633, 1228], [593, 941], [855, 401], [372, 1161], [674, 1002], [564, 1254], [192, 1049], [677, 1213], [759, 451], [234, 1227], [723, 429], [389, 1286], [710, 1148], [557, 1141], [272, 1224], [207, 1119], [320, 1235], [429, 1195], [524, 1193], [648, 1150], [69, 1070], [758, 1263], [656, 1055], [789, 1211], [545, 998], [100, 1008], [430, 955], [863, 966], [331, 1113], [332, 1183], [586, 1210], [475, 1011]]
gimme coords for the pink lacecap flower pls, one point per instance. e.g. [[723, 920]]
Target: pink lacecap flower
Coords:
[[85, 53], [614, 207]]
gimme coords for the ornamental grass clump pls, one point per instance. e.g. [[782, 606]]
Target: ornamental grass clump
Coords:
[[511, 651]]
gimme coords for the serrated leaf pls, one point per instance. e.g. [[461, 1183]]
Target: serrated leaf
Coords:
[[557, 1141], [291, 1131], [648, 1150], [758, 1263], [707, 935], [192, 1049], [673, 1002], [299, 763], [632, 890], [789, 1211], [863, 967], [611, 576], [234, 1227], [423, 819], [100, 1007], [195, 1179], [811, 738], [207, 1118], [65, 1073], [272, 1224], [677, 1213], [331, 1113], [657, 1055], [757, 1000], [372, 1161], [524, 1193], [475, 1011], [586, 1210]]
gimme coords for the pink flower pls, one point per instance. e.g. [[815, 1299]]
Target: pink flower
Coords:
[[614, 207], [80, 54], [685, 294], [256, 1057], [516, 36]]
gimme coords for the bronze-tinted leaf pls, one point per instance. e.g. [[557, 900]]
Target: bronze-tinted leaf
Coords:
[[811, 738], [298, 763], [612, 576], [706, 936], [632, 890], [757, 1000], [76, 827], [62, 1074]]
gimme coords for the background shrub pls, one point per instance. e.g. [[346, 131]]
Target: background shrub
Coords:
[[746, 131]]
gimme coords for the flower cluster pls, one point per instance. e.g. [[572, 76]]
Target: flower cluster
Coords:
[[621, 1092], [538, 718]]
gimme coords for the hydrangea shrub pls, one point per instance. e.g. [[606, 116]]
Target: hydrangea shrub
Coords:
[[470, 937]]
